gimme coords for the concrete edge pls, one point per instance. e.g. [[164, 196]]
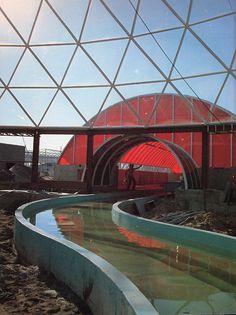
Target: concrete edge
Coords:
[[98, 283], [211, 241]]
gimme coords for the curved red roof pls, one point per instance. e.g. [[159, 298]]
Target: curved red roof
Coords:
[[161, 109]]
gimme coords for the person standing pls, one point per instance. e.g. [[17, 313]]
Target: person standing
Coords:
[[130, 179]]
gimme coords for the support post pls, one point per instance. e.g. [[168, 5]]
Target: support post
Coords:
[[205, 163], [89, 162], [35, 158]]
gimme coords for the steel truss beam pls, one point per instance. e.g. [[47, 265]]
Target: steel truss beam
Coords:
[[226, 127]]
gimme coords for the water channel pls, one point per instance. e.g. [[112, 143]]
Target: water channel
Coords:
[[176, 279]]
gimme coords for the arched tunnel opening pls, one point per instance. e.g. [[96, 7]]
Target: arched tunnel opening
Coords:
[[154, 154]]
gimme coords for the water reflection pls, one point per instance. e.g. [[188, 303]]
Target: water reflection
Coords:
[[175, 278]]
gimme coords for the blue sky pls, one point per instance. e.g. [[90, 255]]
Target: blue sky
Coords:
[[61, 71]]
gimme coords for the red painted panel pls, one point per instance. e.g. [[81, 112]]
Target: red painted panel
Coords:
[[98, 141], [121, 114], [164, 136], [220, 115], [81, 148], [151, 154], [143, 178], [164, 110], [67, 155], [197, 148], [221, 150], [183, 139], [100, 121], [113, 116], [146, 104], [182, 111], [128, 118], [234, 149], [202, 111]]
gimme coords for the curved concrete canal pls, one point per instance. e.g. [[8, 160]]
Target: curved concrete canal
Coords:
[[176, 279]]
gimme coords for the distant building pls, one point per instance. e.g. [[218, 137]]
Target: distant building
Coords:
[[47, 161], [10, 155]]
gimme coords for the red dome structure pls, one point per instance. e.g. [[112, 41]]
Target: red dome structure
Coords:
[[176, 153]]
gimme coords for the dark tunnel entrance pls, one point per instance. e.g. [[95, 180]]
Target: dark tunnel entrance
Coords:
[[110, 153]]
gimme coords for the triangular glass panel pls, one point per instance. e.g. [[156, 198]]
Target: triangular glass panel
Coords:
[[124, 11], [199, 87], [137, 68], [30, 73], [219, 31], [49, 57], [204, 9], [234, 63], [194, 59], [107, 55], [112, 99], [54, 142], [11, 112], [134, 89], [180, 7], [100, 24], [88, 100], [22, 14], [71, 13], [155, 53], [163, 48], [227, 98], [49, 29], [117, 117], [169, 42], [160, 18], [9, 57], [170, 89], [7, 33], [35, 101], [232, 5], [61, 113], [1, 91], [83, 72], [99, 119]]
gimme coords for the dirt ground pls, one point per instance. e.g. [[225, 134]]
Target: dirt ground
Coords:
[[24, 289], [210, 221]]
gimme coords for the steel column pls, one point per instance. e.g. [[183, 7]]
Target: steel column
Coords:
[[205, 163], [89, 163], [35, 157]]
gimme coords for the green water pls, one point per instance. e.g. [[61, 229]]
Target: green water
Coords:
[[175, 278]]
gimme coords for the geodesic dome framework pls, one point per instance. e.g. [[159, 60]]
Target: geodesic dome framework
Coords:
[[62, 62]]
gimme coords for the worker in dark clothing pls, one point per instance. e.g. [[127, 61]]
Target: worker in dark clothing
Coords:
[[129, 175]]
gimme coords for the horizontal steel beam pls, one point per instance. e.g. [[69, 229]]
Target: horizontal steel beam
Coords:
[[30, 131]]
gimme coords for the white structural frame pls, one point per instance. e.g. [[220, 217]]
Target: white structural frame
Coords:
[[131, 38]]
